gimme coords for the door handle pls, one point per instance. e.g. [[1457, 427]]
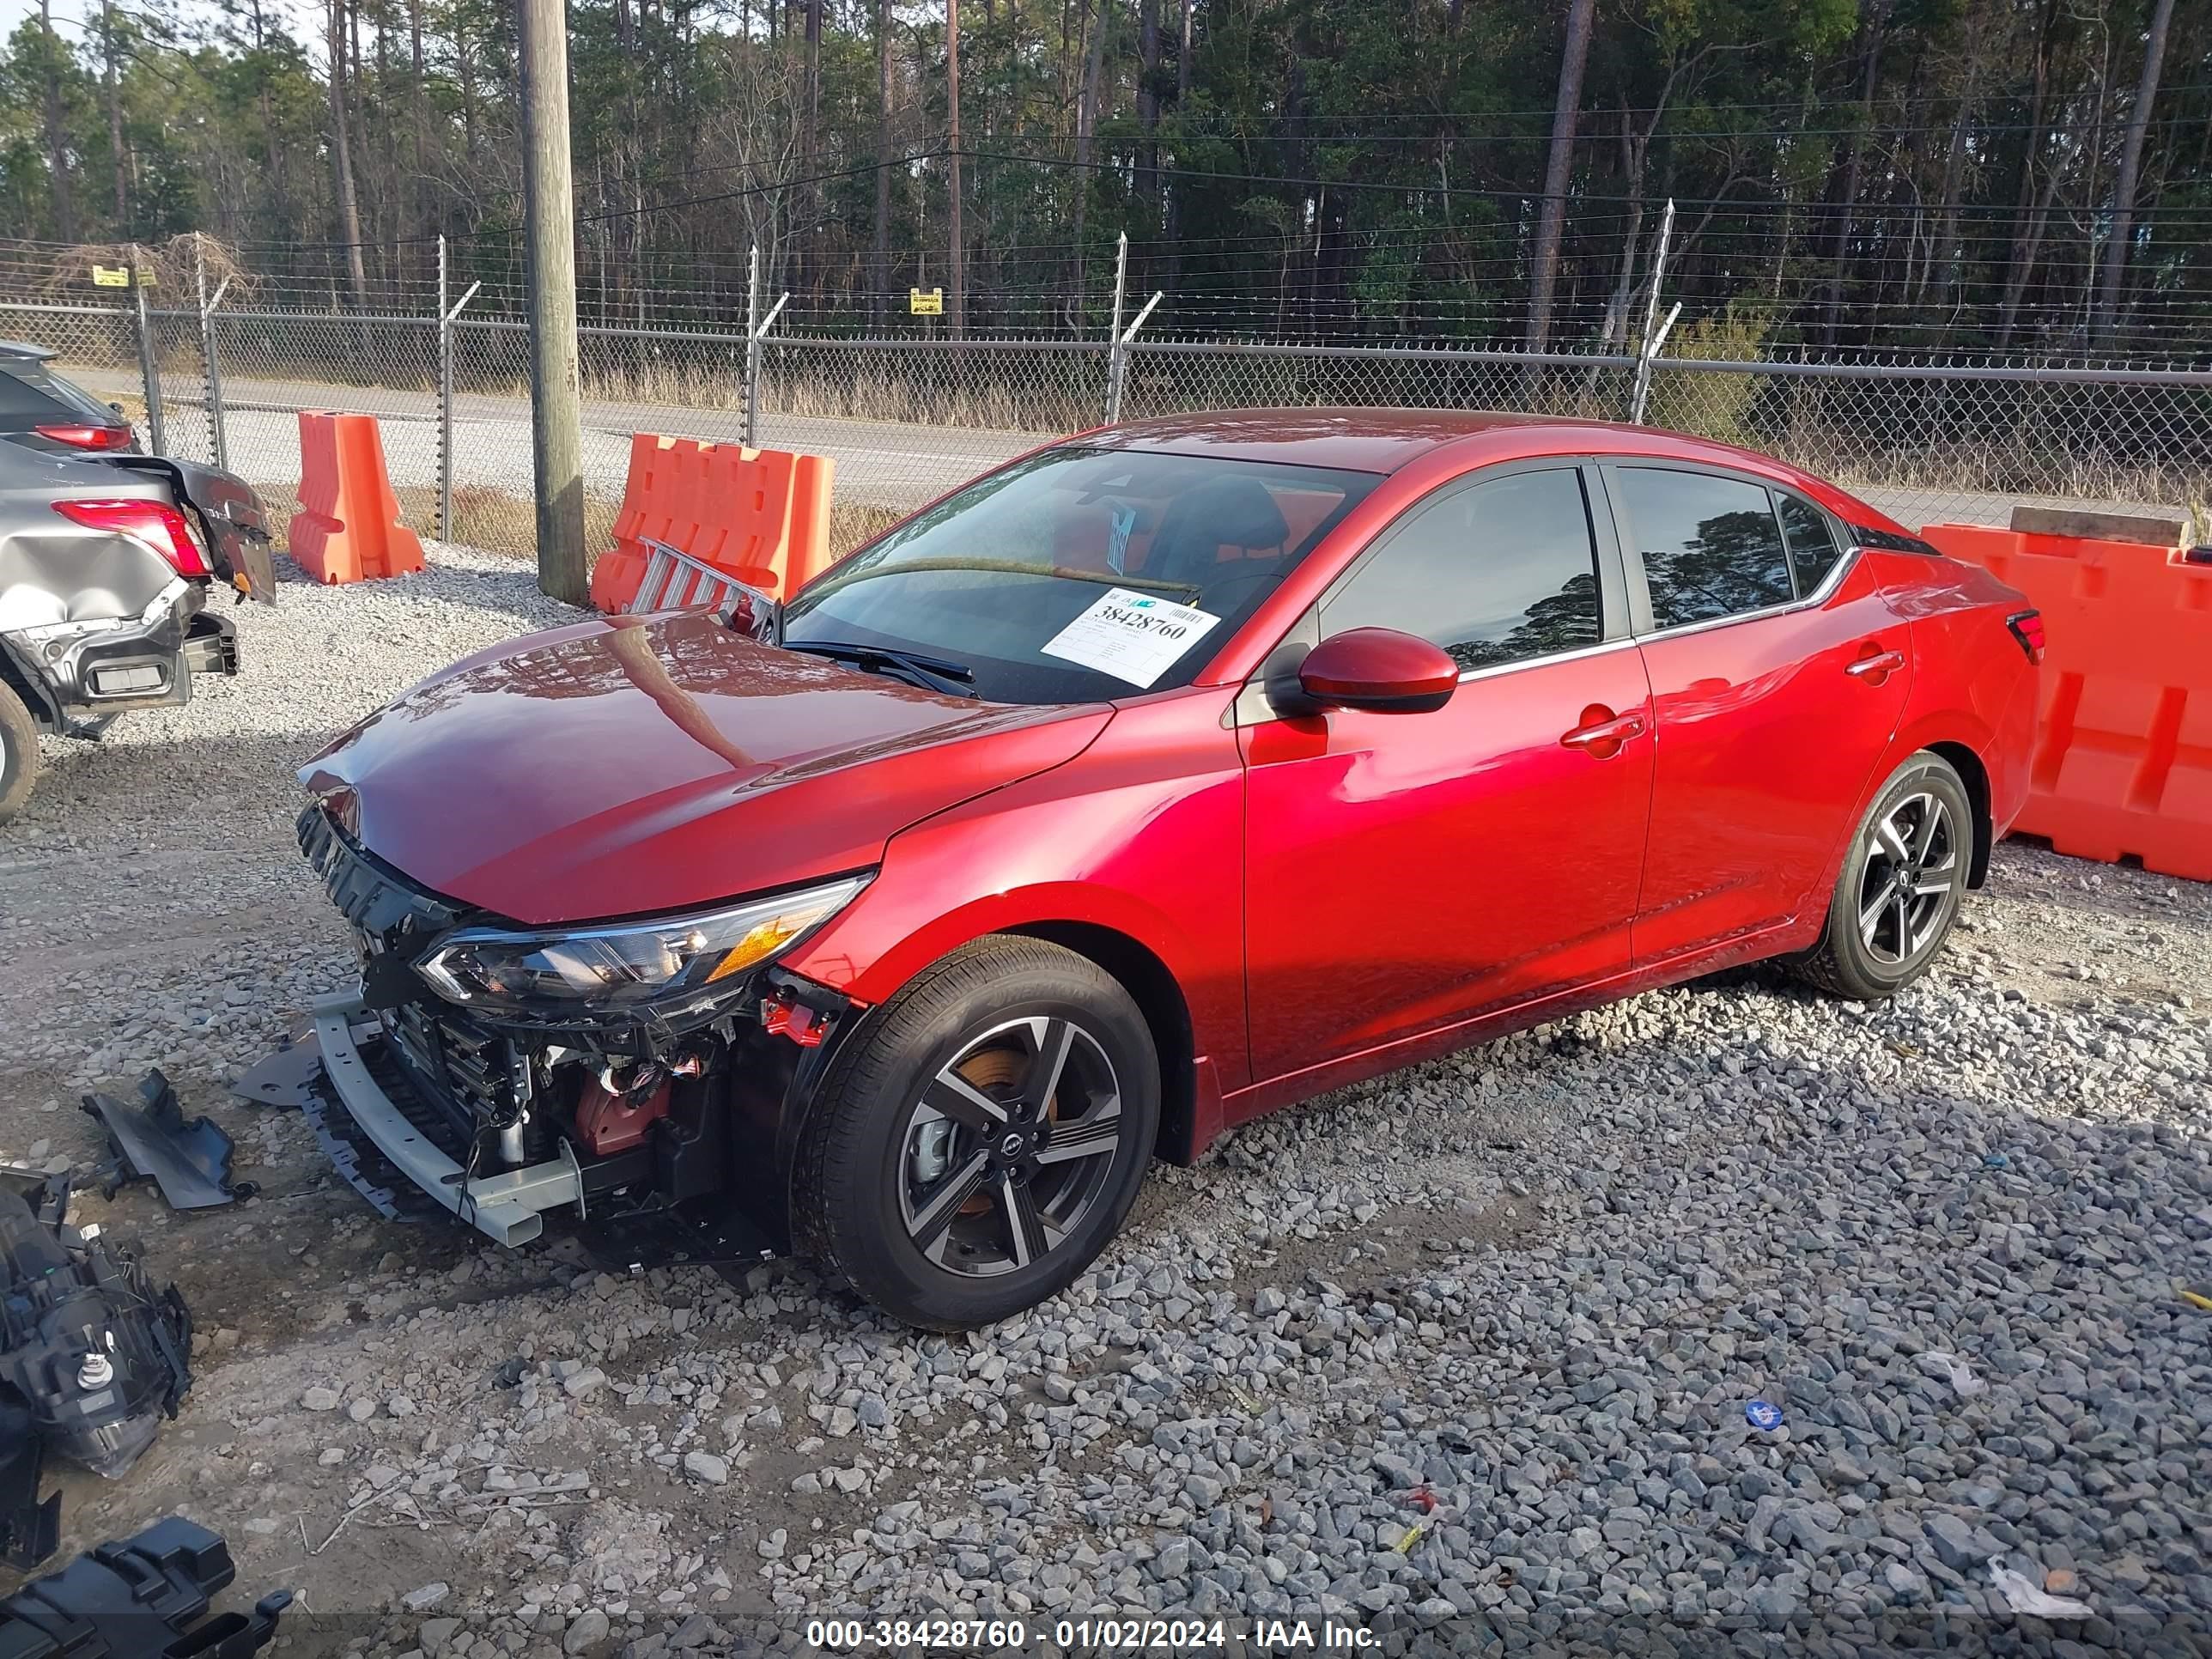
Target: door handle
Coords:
[[1603, 734], [1873, 669]]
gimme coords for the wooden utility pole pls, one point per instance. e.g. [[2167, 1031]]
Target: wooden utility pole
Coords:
[[954, 264], [556, 443]]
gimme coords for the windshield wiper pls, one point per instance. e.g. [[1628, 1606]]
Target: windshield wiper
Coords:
[[942, 674], [1190, 591]]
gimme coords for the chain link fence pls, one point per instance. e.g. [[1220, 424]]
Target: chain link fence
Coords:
[[1930, 443], [905, 418]]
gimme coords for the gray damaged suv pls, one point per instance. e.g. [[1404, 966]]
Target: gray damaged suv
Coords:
[[108, 564]]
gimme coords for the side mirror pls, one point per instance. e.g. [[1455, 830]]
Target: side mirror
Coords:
[[1379, 670]]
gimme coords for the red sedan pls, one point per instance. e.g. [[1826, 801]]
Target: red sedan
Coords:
[[1157, 779]]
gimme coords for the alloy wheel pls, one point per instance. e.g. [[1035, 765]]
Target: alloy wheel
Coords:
[[1912, 874], [1010, 1145]]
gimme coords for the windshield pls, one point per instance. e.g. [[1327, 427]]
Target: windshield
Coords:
[[1080, 574]]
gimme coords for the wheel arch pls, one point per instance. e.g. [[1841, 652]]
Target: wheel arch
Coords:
[[1160, 997], [1960, 739], [29, 688], [1975, 775]]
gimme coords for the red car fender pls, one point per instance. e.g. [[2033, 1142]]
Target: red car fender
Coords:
[[1969, 693], [1132, 851]]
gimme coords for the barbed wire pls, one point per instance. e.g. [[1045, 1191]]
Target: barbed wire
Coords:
[[1432, 285]]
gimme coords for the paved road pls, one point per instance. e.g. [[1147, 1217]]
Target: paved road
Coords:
[[879, 463]]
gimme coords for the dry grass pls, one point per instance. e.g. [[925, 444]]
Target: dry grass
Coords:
[[853, 523], [1713, 405], [482, 517], [1046, 394], [1049, 394]]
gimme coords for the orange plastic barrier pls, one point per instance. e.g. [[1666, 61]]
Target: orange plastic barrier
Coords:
[[2123, 749], [347, 526], [760, 515]]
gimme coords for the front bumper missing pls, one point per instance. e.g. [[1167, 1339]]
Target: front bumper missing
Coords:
[[508, 1208]]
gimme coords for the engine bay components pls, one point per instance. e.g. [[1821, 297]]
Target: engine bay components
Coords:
[[92, 1357], [140, 1597]]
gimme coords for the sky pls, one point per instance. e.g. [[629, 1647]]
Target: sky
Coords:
[[302, 17]]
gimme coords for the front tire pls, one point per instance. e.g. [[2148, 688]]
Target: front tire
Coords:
[[1901, 886], [981, 1136], [19, 752]]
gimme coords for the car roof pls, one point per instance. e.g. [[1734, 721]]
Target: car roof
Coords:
[[37, 354], [1357, 440], [1389, 440], [1386, 440]]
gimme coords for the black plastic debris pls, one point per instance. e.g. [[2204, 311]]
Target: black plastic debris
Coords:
[[88, 1348], [188, 1157], [29, 1529], [139, 1599], [285, 1080]]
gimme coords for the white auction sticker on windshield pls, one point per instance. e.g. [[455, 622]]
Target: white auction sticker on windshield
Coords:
[[1135, 637]]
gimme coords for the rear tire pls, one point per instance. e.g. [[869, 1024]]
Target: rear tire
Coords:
[[1901, 886], [980, 1137], [19, 752]]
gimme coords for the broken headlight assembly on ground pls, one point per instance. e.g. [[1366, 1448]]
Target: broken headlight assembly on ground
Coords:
[[630, 1075], [92, 1357]]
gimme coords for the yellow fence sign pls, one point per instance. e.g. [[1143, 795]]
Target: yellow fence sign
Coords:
[[926, 303], [111, 276]]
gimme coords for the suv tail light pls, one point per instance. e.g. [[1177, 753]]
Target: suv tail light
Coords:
[[157, 524], [2027, 626], [88, 437]]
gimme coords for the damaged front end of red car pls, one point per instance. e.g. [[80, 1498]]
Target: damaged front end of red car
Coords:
[[572, 866], [608, 1074]]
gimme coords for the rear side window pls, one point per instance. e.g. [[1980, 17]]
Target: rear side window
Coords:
[[1813, 548], [1711, 546], [19, 396], [28, 387], [1496, 573]]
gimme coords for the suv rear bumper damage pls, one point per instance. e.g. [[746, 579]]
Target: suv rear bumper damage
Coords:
[[86, 671]]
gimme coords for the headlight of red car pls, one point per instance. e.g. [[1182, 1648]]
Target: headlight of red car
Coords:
[[664, 965]]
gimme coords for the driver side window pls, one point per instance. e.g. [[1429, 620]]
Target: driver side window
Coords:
[[1498, 572]]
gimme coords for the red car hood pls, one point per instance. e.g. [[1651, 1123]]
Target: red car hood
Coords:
[[624, 767]]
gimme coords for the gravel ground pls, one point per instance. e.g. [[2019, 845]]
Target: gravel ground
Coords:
[[1461, 1356]]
